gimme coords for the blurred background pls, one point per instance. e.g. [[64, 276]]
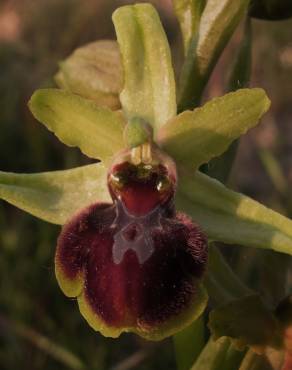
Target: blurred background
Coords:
[[39, 327]]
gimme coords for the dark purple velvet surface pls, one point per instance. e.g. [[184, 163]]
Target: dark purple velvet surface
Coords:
[[139, 261]]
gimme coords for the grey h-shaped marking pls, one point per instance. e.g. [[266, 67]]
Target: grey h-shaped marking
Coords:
[[142, 243]]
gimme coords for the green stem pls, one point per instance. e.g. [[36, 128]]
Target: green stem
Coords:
[[212, 356], [233, 358], [220, 354], [252, 361], [222, 283], [188, 344]]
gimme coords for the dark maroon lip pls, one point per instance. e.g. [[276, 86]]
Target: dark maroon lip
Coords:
[[140, 260], [146, 275]]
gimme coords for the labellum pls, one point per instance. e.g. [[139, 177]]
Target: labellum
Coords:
[[135, 264]]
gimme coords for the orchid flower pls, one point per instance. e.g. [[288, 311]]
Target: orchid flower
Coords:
[[133, 246]]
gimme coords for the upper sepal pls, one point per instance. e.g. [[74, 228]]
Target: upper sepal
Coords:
[[149, 84]]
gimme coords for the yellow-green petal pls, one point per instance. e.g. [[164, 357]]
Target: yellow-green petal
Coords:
[[76, 121], [195, 137]]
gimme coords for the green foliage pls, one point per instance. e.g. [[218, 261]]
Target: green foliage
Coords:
[[220, 210], [219, 354], [222, 283], [254, 361], [149, 89], [188, 343], [188, 13], [219, 20], [247, 321]]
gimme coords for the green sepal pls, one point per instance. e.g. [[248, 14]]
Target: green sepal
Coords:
[[222, 283], [94, 71], [55, 196], [231, 217], [247, 321], [76, 121], [195, 137], [149, 85]]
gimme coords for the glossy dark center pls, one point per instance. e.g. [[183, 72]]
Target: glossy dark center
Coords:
[[141, 188]]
